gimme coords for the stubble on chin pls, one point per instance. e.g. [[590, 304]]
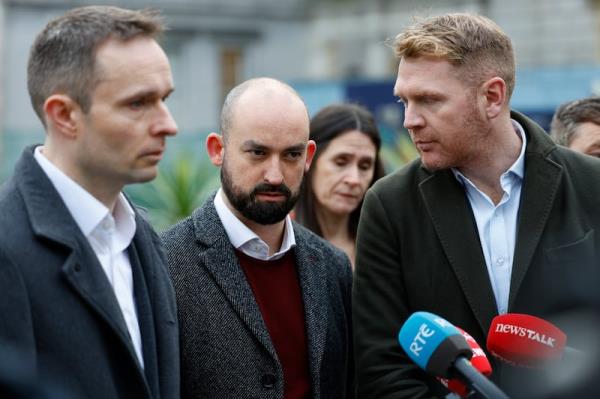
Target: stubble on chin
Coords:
[[432, 166]]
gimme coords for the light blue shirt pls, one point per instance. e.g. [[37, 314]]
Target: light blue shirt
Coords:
[[497, 224]]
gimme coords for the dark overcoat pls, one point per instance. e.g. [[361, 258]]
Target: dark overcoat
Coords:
[[58, 309], [419, 250]]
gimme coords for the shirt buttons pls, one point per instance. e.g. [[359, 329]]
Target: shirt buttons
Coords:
[[500, 261]]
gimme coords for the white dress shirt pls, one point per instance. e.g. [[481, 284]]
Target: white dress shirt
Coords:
[[109, 236], [497, 224], [244, 239]]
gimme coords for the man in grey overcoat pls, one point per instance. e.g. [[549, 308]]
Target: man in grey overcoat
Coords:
[[264, 304], [85, 298]]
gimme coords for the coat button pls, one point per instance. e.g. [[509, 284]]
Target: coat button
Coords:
[[268, 381]]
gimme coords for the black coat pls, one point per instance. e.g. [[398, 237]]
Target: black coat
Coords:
[[58, 309]]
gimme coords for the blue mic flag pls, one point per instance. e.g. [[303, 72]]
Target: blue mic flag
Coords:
[[422, 334]]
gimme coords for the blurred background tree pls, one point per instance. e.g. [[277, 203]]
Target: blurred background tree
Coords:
[[183, 183]]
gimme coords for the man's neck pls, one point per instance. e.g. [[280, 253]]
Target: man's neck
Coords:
[[496, 157], [104, 192]]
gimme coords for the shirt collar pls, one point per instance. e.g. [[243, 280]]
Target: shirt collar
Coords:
[[518, 167], [87, 211], [240, 235]]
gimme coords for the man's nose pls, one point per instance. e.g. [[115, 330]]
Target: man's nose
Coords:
[[273, 174], [412, 117], [165, 124]]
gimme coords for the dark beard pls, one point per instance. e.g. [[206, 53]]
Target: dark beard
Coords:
[[260, 212]]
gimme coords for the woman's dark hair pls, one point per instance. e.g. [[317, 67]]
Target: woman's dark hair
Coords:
[[329, 123]]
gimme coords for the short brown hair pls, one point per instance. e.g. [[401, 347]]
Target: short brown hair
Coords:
[[63, 55], [570, 115], [474, 43]]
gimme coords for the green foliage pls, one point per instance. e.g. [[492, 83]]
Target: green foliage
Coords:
[[181, 186], [399, 154]]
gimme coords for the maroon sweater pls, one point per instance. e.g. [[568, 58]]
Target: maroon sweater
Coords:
[[277, 291]]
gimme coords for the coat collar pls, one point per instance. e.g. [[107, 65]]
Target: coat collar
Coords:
[[447, 203], [48, 215], [453, 220], [218, 256], [312, 273], [540, 186]]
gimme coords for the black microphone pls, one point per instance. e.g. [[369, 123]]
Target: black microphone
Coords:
[[439, 348]]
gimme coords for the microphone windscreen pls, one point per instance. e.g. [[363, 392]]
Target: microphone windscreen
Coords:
[[525, 340], [432, 342], [479, 361]]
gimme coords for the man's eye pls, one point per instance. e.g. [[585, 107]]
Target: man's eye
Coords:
[[258, 153], [428, 100], [294, 154], [136, 104]]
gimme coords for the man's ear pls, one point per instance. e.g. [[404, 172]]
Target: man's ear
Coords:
[[62, 114], [494, 95], [215, 148], [311, 147]]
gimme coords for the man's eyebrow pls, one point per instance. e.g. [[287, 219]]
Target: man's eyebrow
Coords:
[[148, 93], [256, 145], [296, 148], [253, 144]]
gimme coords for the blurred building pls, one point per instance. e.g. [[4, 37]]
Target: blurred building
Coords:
[[330, 50], [212, 45], [557, 45]]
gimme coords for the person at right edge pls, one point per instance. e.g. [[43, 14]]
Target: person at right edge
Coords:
[[492, 218]]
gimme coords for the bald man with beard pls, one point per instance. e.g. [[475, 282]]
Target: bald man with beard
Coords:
[[264, 304]]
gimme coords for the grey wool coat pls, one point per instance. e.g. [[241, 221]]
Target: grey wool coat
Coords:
[[225, 345], [58, 309]]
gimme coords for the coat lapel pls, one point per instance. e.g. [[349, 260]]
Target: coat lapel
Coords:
[[540, 185], [454, 224], [51, 220], [85, 275], [141, 277], [313, 282], [218, 255]]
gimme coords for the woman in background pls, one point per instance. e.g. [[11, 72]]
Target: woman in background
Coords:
[[345, 165]]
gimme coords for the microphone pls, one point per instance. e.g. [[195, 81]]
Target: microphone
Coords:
[[525, 340], [479, 361], [439, 348]]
